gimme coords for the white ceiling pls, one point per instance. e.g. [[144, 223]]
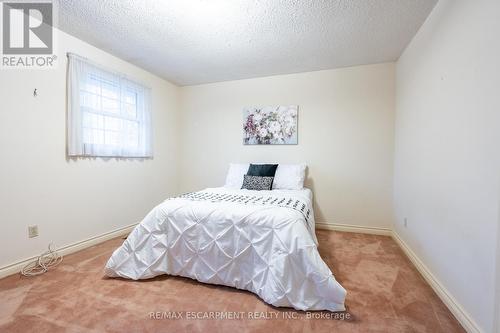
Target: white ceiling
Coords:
[[199, 41]]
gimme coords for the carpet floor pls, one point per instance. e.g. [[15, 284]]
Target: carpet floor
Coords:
[[385, 293]]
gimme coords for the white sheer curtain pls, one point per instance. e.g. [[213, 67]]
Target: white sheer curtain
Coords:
[[108, 114]]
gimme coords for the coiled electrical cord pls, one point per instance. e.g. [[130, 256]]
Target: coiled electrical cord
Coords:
[[42, 264]]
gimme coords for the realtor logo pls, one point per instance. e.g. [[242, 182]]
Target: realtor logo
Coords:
[[27, 29]]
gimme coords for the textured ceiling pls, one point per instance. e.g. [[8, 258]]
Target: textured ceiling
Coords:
[[198, 41]]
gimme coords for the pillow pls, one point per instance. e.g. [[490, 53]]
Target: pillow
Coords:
[[234, 177], [257, 183], [289, 177], [262, 170]]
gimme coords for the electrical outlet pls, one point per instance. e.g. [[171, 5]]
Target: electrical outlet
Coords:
[[406, 222], [32, 231]]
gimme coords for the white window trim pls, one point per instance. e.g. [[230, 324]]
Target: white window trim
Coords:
[[80, 69]]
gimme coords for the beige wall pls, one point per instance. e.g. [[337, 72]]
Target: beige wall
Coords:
[[71, 201], [346, 121], [447, 158]]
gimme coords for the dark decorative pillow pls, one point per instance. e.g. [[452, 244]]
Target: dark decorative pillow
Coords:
[[262, 170], [257, 183]]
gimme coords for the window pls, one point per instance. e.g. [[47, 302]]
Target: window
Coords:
[[108, 115]]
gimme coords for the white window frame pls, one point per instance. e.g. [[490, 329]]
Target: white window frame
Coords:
[[89, 129]]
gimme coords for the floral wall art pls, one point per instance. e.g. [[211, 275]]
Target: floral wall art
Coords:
[[270, 125]]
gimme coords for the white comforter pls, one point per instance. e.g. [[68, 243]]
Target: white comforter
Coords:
[[266, 249]]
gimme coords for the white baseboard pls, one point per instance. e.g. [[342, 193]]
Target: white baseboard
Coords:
[[354, 228], [68, 249], [456, 309]]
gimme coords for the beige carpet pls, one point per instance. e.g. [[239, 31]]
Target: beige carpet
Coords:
[[385, 294]]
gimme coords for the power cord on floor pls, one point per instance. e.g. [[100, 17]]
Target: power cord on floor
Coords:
[[42, 264]]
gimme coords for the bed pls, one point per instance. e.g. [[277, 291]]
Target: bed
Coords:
[[260, 241]]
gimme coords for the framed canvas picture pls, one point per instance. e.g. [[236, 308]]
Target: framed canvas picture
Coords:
[[270, 125]]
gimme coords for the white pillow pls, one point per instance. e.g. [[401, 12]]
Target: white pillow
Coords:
[[289, 177], [234, 178]]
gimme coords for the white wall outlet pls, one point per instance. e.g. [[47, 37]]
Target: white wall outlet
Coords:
[[32, 231], [405, 222]]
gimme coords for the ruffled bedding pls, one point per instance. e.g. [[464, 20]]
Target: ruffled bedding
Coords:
[[260, 241]]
